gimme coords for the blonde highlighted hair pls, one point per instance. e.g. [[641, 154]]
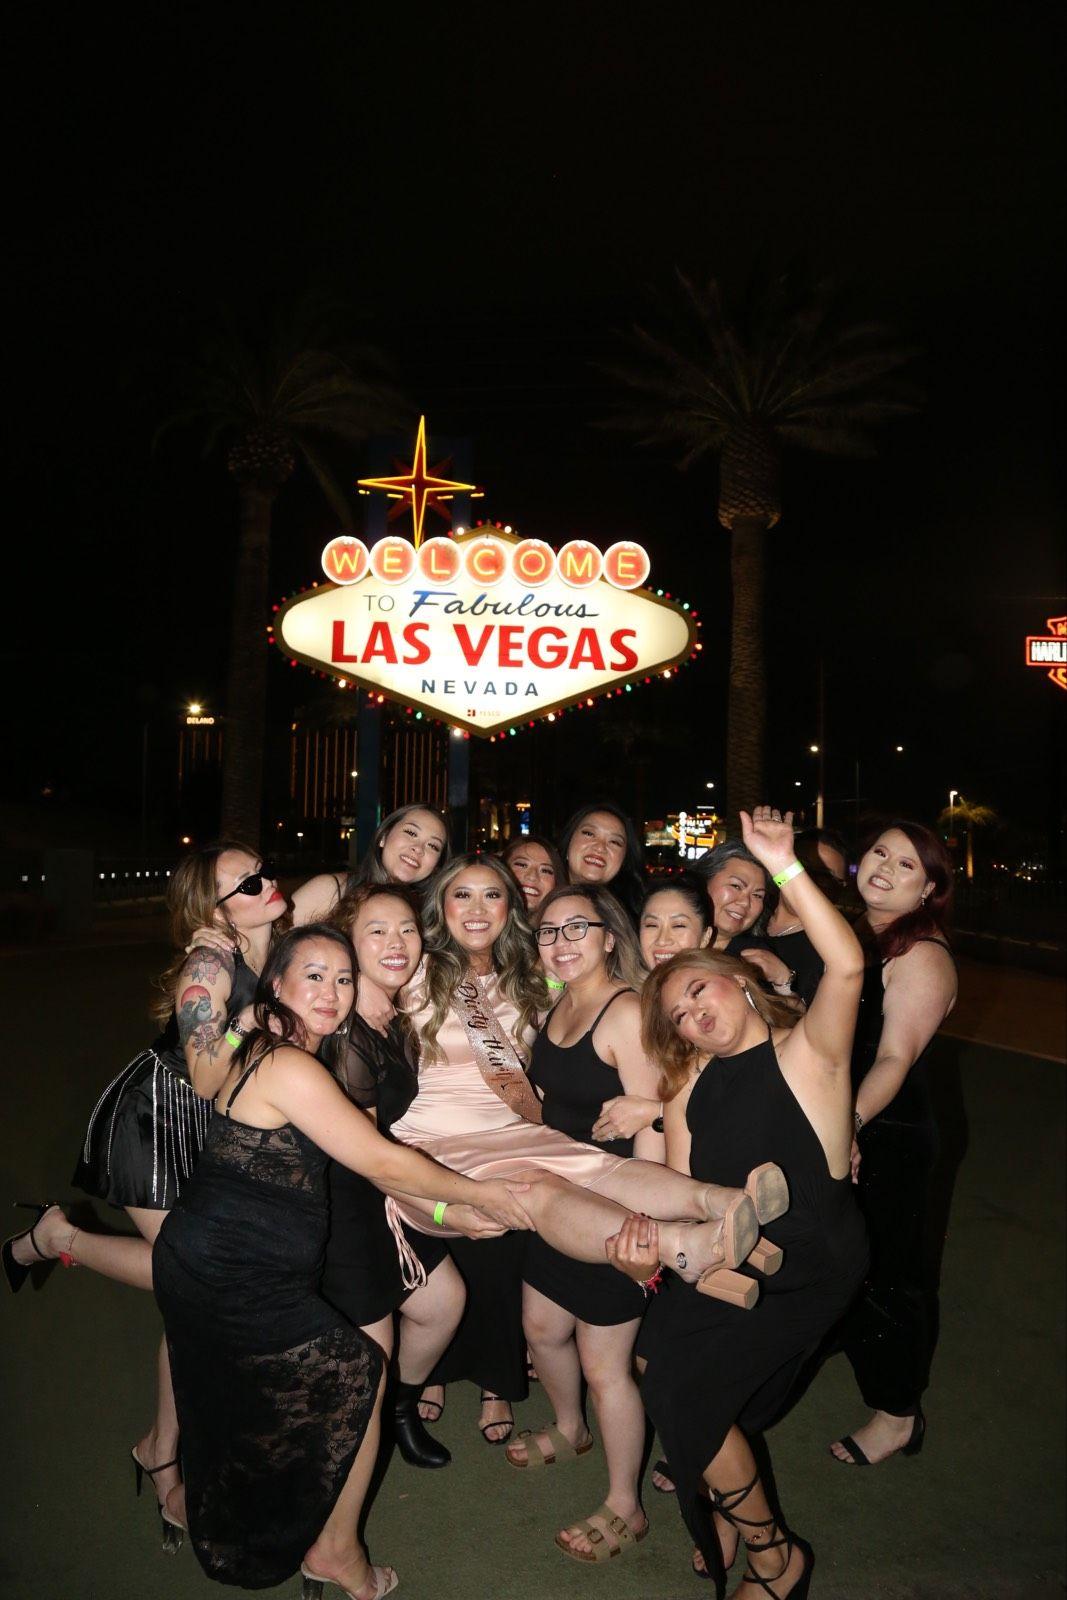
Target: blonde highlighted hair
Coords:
[[661, 1040], [447, 963]]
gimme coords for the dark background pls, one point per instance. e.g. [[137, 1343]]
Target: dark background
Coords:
[[498, 191]]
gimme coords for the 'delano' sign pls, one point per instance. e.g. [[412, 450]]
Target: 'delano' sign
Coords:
[[485, 630]]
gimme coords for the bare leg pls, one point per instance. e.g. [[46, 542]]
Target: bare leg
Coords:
[[428, 1321], [113, 1255], [382, 1334], [337, 1553], [660, 1192], [160, 1443], [607, 1361], [549, 1330], [880, 1437], [732, 1470], [579, 1221]]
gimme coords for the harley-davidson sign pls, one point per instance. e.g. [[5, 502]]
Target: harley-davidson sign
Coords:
[[485, 630]]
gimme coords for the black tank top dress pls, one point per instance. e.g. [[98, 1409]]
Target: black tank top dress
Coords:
[[887, 1333], [362, 1276], [575, 1083], [274, 1389], [711, 1365], [149, 1125]]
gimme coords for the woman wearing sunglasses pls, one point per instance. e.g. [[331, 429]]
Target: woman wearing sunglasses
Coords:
[[581, 1320], [147, 1128]]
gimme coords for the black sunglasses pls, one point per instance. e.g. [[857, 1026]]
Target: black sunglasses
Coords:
[[253, 884]]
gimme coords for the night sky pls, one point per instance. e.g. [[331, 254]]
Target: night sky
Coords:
[[500, 192]]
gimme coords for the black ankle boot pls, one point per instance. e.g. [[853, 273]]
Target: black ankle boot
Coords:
[[418, 1448]]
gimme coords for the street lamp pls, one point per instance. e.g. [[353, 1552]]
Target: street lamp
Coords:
[[953, 796]]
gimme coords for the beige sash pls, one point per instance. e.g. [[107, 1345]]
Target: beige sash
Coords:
[[494, 1054]]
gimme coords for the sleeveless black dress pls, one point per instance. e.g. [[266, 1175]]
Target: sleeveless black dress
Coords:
[[149, 1125], [711, 1365], [274, 1389], [575, 1083], [886, 1335], [362, 1276]]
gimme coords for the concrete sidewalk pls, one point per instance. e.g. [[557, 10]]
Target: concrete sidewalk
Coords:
[[978, 1514]]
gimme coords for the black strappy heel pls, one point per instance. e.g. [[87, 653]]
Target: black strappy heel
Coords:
[[725, 1504], [172, 1531], [16, 1272]]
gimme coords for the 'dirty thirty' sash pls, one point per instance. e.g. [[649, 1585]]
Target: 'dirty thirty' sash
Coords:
[[494, 1054]]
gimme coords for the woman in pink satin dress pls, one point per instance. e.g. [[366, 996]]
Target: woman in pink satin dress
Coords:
[[474, 1006]]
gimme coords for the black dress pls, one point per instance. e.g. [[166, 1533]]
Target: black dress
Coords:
[[148, 1126], [274, 1389], [802, 959], [886, 1335], [575, 1082], [362, 1277], [711, 1365]]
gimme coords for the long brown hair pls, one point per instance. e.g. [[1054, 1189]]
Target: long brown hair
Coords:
[[514, 956], [661, 1040], [192, 902]]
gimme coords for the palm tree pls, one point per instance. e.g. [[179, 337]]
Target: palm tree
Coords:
[[271, 400], [971, 815], [792, 369]]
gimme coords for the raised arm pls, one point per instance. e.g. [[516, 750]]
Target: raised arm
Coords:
[[302, 1092], [314, 900], [830, 1022], [201, 996], [920, 991]]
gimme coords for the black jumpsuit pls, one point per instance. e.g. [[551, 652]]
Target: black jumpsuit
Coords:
[[711, 1365]]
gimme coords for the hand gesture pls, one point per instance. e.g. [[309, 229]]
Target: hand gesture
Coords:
[[212, 939], [771, 966], [500, 1200], [854, 1162], [625, 1116], [769, 836], [471, 1223], [635, 1248]]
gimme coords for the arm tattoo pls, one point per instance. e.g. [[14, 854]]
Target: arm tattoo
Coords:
[[198, 1023], [204, 965]]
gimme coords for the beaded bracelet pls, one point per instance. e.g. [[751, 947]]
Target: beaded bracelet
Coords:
[[794, 869]]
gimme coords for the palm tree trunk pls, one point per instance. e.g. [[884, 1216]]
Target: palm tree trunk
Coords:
[[246, 684], [747, 708]]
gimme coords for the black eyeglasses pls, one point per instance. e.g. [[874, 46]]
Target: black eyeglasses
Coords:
[[253, 884], [570, 930]]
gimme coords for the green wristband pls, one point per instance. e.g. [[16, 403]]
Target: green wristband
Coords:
[[794, 870], [234, 1040], [439, 1212], [554, 983]]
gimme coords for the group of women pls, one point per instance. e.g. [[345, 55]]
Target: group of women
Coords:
[[451, 1116]]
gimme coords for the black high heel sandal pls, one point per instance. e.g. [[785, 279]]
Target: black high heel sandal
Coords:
[[915, 1441], [724, 1504], [16, 1272], [171, 1530]]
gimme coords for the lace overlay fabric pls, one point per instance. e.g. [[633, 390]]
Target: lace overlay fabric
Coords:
[[274, 1389]]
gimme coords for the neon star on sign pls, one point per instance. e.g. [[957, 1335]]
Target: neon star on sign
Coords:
[[421, 488], [486, 631]]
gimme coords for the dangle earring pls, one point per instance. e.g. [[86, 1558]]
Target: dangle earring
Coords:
[[750, 1000]]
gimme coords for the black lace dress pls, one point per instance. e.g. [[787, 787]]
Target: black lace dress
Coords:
[[148, 1126], [274, 1389], [711, 1365]]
